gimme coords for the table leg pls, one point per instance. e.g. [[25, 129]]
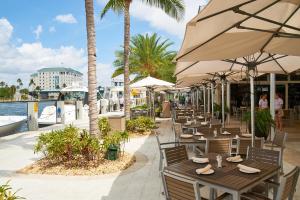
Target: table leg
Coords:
[[275, 189], [211, 193], [236, 196]]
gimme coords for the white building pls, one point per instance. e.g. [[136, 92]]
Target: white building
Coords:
[[117, 81], [56, 78]]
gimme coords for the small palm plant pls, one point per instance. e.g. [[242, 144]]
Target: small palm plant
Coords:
[[7, 194]]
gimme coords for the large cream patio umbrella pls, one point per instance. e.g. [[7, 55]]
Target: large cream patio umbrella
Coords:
[[152, 84], [210, 80], [255, 35]]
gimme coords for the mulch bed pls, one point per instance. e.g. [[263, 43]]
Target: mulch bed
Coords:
[[80, 167]]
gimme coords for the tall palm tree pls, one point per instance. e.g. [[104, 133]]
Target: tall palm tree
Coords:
[[149, 55], [2, 84], [174, 8], [92, 80], [31, 82]]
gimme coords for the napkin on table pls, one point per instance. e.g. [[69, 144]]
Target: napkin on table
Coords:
[[200, 160], [203, 170], [249, 169], [235, 158]]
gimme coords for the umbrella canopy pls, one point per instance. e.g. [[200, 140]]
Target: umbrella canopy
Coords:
[[75, 88], [151, 83], [237, 28]]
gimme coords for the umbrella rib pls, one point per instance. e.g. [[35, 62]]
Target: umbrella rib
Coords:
[[277, 33], [278, 64], [267, 20], [258, 56], [233, 61], [265, 60], [226, 10], [270, 39], [186, 68], [231, 27]]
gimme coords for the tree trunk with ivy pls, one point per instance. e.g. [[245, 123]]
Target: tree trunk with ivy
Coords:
[[126, 59], [92, 80]]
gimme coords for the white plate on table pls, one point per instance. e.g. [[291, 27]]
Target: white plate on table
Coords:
[[198, 134], [200, 161], [211, 171], [186, 136], [226, 133], [246, 171], [246, 135], [235, 161]]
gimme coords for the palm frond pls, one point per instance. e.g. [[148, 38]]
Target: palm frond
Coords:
[[116, 6], [173, 8]]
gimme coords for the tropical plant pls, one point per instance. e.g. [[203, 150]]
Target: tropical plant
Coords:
[[68, 144], [92, 80], [263, 122], [140, 124], [149, 55], [141, 107], [7, 194], [104, 126], [174, 8], [114, 139], [31, 82]]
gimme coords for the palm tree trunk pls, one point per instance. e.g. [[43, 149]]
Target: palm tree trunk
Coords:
[[126, 59], [92, 80]]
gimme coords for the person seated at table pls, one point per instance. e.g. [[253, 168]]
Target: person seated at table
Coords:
[[263, 102]]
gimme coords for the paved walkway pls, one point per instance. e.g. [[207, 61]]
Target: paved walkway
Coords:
[[141, 181]]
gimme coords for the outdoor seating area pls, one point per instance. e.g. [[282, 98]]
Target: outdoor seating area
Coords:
[[204, 154]]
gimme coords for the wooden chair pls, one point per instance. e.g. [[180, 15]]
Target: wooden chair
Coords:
[[161, 147], [264, 155], [177, 131], [175, 155], [278, 142], [220, 146], [205, 130], [179, 188], [244, 143], [286, 189], [181, 120]]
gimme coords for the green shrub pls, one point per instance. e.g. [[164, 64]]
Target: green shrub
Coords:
[[7, 194], [104, 126], [115, 139], [141, 107], [67, 144], [140, 124]]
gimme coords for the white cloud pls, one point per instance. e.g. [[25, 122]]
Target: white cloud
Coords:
[[6, 31], [26, 58], [38, 31], [52, 29], [66, 18], [161, 21]]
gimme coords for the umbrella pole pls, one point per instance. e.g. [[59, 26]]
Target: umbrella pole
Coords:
[[228, 101], [204, 101], [252, 107], [208, 100], [272, 101], [223, 105], [212, 100]]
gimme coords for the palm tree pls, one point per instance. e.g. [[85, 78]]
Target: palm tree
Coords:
[[31, 82], [2, 83], [20, 84], [149, 55], [173, 8], [92, 80]]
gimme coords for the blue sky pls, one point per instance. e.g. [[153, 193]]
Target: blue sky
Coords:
[[52, 33]]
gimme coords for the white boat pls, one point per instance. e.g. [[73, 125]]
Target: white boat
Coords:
[[9, 124]]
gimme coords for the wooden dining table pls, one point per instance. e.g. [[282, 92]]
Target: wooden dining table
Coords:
[[228, 178]]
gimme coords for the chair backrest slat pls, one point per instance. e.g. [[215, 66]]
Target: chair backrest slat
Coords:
[[175, 155], [179, 188], [279, 139], [246, 142], [220, 146], [264, 155], [288, 185]]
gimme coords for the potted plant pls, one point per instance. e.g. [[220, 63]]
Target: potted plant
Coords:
[[218, 111], [263, 122]]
